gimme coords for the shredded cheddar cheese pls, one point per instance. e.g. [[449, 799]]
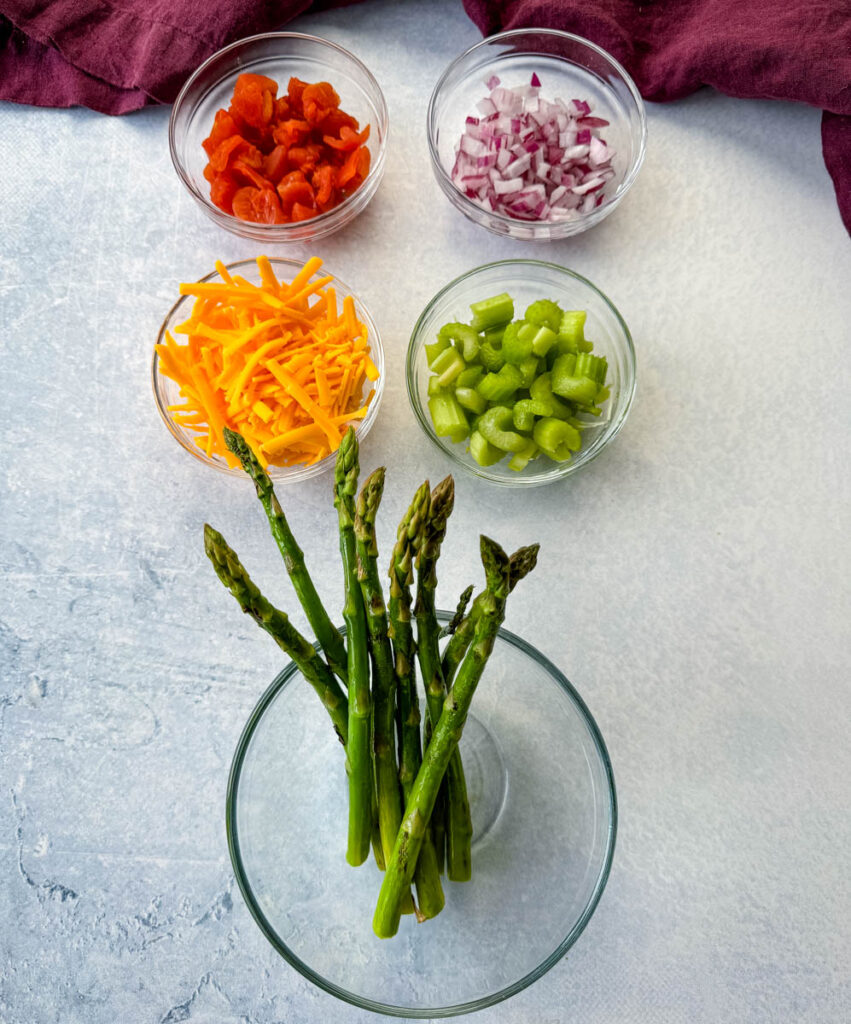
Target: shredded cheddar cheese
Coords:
[[281, 363]]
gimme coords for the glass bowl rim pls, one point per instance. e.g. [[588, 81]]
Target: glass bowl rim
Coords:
[[277, 231], [564, 469], [445, 179], [301, 473], [558, 678]]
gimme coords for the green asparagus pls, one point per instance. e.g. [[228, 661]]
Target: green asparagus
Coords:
[[402, 862], [326, 632], [230, 571], [430, 896], [358, 756], [456, 818]]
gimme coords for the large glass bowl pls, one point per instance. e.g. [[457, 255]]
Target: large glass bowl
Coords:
[[544, 821], [569, 67], [279, 55], [526, 281], [167, 392]]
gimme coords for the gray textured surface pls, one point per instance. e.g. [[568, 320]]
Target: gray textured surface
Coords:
[[694, 580]]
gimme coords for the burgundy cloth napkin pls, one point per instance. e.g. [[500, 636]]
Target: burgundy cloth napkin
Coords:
[[796, 50], [117, 55]]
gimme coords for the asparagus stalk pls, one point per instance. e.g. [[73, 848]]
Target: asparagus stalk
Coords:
[[426, 876], [521, 563], [401, 864], [326, 632], [456, 818], [358, 755], [384, 676], [458, 615], [230, 571]]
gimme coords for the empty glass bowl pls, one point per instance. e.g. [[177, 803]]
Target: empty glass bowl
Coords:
[[544, 823], [526, 281], [569, 67], [279, 55], [167, 392]]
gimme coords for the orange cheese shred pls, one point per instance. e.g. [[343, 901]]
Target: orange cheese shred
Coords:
[[281, 362]]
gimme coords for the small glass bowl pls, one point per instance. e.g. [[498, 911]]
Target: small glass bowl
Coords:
[[544, 811], [527, 281], [167, 392], [279, 55], [568, 66]]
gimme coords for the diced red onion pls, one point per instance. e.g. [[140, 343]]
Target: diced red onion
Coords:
[[532, 158]]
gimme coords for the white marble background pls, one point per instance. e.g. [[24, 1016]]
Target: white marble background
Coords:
[[693, 585]]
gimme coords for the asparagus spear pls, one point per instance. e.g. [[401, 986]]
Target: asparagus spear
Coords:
[[383, 674], [400, 866], [358, 756], [458, 615], [456, 818], [230, 571], [326, 632], [521, 563], [427, 876]]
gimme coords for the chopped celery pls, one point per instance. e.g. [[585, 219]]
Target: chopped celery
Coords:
[[541, 390], [492, 312], [483, 451], [491, 358], [556, 438], [448, 366], [471, 399], [520, 460], [497, 387], [545, 313], [433, 350], [566, 382], [448, 417], [525, 411], [543, 340], [571, 330], [528, 371], [516, 347], [495, 427], [465, 339], [516, 386], [470, 377]]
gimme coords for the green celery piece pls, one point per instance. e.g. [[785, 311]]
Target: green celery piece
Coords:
[[465, 339], [515, 347], [454, 368], [482, 451], [494, 335], [492, 312], [556, 438], [497, 387], [433, 350], [525, 411], [491, 358], [520, 460], [545, 313], [470, 377], [448, 417], [443, 360], [470, 399], [591, 366], [528, 370], [603, 394], [495, 427], [566, 383], [541, 389], [543, 340], [571, 330], [435, 387]]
